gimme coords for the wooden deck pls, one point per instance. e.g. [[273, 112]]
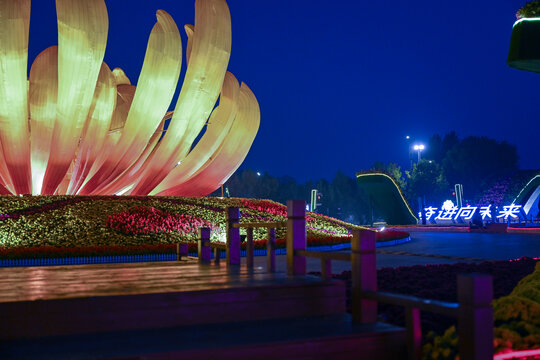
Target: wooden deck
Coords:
[[77, 281], [179, 310]]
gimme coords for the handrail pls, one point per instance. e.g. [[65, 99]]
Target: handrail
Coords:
[[234, 241], [218, 245], [435, 306], [473, 310], [269, 224], [323, 255]]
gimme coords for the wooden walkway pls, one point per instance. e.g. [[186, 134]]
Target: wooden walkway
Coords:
[[179, 310], [76, 281], [189, 310], [60, 300]]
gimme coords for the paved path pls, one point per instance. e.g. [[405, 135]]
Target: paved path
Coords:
[[477, 245]]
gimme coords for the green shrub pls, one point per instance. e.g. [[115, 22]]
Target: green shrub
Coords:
[[517, 322], [529, 10], [443, 347], [517, 316]]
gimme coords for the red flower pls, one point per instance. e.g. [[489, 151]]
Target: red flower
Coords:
[[147, 220]]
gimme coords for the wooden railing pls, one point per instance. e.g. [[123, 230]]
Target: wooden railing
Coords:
[[204, 248], [475, 292], [473, 309], [232, 246], [270, 243]]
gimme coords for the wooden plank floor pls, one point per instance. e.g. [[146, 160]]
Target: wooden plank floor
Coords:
[[70, 281], [181, 310], [62, 300]]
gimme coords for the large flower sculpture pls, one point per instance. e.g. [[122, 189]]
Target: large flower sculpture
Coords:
[[74, 126]]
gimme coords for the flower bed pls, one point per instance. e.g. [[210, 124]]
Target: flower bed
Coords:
[[149, 220], [110, 223], [40, 252]]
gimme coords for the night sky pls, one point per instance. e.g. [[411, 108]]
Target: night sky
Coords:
[[341, 83]]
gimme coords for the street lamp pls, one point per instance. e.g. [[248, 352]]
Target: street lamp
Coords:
[[408, 138], [418, 148]]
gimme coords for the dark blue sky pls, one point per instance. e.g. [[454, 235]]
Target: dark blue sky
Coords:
[[340, 83]]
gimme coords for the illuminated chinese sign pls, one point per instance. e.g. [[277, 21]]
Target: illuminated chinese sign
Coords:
[[449, 213]]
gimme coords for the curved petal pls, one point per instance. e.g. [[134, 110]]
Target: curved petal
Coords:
[[14, 26], [42, 97], [124, 98], [189, 32], [224, 162], [5, 179], [4, 190], [120, 77], [218, 127], [155, 89], [82, 37], [64, 184], [128, 177], [208, 61], [96, 127]]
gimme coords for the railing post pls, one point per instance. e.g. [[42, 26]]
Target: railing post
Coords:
[[326, 269], [271, 250], [296, 236], [181, 251], [249, 248], [364, 275], [475, 319], [204, 249], [233, 236], [414, 333]]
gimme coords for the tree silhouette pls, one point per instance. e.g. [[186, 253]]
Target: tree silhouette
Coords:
[[478, 162]]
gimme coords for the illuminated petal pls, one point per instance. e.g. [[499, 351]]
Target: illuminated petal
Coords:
[[127, 179], [155, 89], [124, 98], [231, 153], [120, 77], [218, 127], [96, 127], [77, 127], [208, 61], [42, 98], [82, 37], [4, 190], [5, 179], [189, 32], [14, 135], [64, 184]]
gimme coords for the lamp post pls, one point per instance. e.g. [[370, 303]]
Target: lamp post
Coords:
[[418, 148], [408, 138]]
